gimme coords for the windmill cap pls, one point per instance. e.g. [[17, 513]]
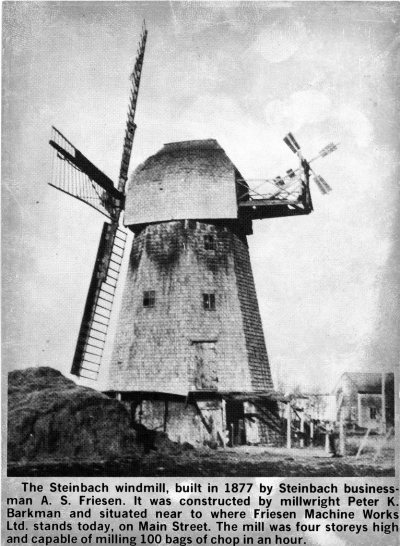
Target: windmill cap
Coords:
[[209, 143], [184, 180]]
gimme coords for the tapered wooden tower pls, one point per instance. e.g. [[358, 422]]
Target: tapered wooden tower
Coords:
[[189, 343]]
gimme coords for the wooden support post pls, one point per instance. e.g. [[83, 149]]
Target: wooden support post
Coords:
[[342, 435], [327, 448], [288, 426], [224, 434], [383, 410], [363, 443], [381, 443], [312, 432], [302, 416], [165, 415]]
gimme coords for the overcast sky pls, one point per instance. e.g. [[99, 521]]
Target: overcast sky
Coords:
[[245, 74]]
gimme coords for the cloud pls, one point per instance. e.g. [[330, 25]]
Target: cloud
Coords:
[[302, 107], [313, 108], [356, 123], [281, 40]]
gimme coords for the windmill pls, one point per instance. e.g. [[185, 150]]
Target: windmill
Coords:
[[189, 356]]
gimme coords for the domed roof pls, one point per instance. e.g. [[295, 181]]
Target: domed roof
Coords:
[[193, 179]]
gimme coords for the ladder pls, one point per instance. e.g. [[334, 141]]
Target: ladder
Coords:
[[97, 313]]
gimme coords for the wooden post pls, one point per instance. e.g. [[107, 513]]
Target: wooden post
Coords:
[[165, 415], [342, 435], [288, 426], [302, 429], [363, 443], [327, 448], [383, 418], [382, 443], [224, 434], [312, 432]]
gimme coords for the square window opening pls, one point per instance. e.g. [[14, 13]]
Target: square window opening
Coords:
[[149, 298], [209, 302], [209, 242]]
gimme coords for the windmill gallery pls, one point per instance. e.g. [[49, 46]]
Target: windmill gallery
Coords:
[[189, 355]]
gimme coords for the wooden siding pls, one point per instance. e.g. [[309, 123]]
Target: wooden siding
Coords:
[[157, 348], [252, 327]]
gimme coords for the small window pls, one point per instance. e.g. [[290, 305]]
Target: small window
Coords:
[[149, 298], [372, 413], [209, 302], [209, 242]]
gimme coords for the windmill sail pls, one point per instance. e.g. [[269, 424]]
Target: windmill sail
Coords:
[[74, 174], [97, 313], [290, 194], [100, 298], [130, 122], [290, 141], [322, 184]]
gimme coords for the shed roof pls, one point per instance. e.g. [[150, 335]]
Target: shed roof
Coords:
[[365, 382]]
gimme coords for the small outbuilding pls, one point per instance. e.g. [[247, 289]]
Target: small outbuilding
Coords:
[[362, 396]]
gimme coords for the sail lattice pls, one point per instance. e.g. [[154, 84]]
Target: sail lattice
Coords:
[[74, 174]]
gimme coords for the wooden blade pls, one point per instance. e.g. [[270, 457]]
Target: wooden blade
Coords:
[[290, 141], [130, 123], [293, 140], [328, 149], [331, 147], [98, 307], [74, 174], [323, 186]]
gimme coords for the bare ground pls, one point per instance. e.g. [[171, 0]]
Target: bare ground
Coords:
[[241, 461], [56, 428]]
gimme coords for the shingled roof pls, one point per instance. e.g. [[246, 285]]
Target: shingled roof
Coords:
[[204, 157], [190, 179]]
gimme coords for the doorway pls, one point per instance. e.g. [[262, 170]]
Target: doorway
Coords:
[[235, 422]]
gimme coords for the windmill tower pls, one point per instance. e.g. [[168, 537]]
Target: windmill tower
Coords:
[[189, 355]]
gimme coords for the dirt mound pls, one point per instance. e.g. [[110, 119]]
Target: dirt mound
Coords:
[[50, 416]]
